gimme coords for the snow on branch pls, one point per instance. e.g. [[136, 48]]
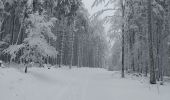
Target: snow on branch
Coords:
[[97, 2], [13, 50], [99, 13], [35, 46]]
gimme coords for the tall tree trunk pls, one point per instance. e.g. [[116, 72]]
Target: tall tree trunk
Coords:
[[62, 49], [123, 36], [72, 50], [13, 28], [79, 52], [20, 34], [150, 40], [81, 55]]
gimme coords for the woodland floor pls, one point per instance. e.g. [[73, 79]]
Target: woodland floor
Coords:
[[76, 84]]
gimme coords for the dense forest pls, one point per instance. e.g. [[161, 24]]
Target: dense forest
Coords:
[[141, 31], [52, 32], [62, 33]]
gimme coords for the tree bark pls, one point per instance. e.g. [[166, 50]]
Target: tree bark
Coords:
[[26, 69], [62, 49], [72, 50], [79, 53], [13, 28], [123, 42], [150, 40]]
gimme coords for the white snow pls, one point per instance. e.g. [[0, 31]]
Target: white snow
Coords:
[[76, 84]]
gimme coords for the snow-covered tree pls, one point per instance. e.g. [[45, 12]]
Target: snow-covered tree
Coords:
[[35, 46], [144, 33]]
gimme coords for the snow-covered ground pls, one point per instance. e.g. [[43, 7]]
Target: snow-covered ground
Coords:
[[76, 84]]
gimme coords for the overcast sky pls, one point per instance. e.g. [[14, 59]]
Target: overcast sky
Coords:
[[89, 3]]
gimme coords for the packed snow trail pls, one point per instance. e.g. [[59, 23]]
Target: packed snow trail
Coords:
[[76, 84]]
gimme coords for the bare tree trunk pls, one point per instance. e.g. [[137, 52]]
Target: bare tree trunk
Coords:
[[81, 55], [26, 69], [13, 28], [97, 51], [21, 27], [94, 57], [150, 40], [62, 49], [79, 52], [123, 42], [72, 50]]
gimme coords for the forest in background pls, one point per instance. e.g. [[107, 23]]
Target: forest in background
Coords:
[[52, 32], [141, 31]]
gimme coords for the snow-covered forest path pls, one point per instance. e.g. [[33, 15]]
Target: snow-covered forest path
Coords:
[[76, 84]]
